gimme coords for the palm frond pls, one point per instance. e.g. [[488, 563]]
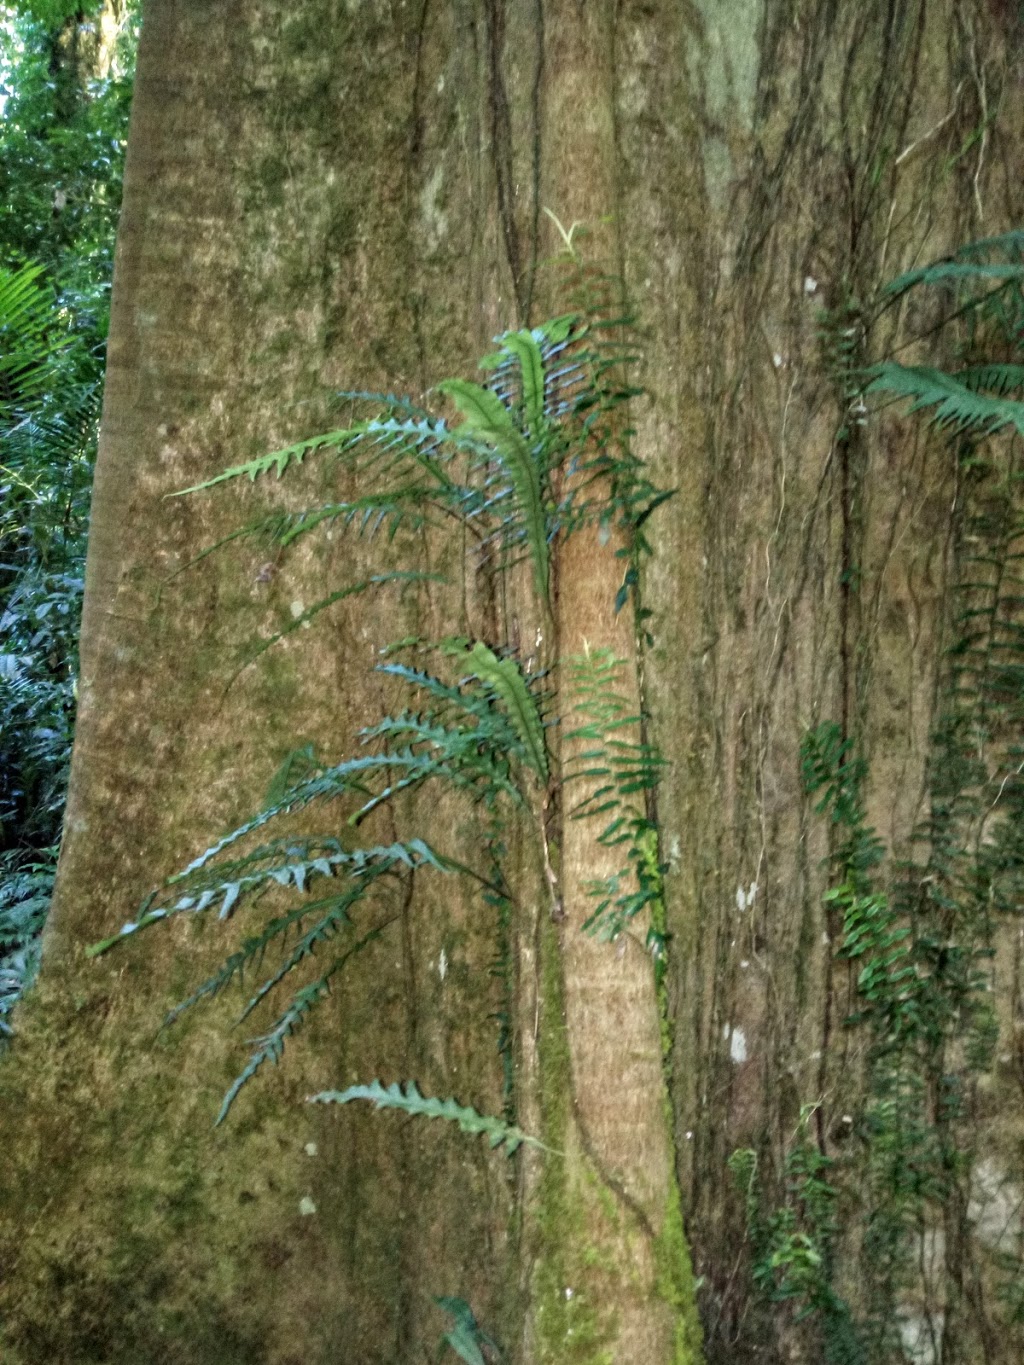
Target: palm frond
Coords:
[[26, 332]]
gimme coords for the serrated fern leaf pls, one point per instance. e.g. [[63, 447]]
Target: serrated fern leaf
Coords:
[[270, 1047], [367, 515], [956, 270], [390, 402], [325, 928], [419, 441], [276, 460], [999, 379], [488, 423], [143, 922], [459, 699], [408, 1099], [294, 864], [251, 953], [955, 405], [508, 683], [416, 440], [456, 755], [969, 263]]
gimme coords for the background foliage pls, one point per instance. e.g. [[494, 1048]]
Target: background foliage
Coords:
[[65, 87]]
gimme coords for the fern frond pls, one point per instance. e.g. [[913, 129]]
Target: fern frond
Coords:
[[270, 1047], [1009, 242], [506, 679], [251, 953], [325, 928], [394, 509], [416, 438], [455, 697], [489, 425], [289, 863], [419, 441], [631, 766], [1000, 379], [459, 757], [276, 460], [956, 406], [957, 270], [390, 402], [498, 1132], [616, 771]]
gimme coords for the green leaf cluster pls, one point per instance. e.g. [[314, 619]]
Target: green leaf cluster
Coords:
[[61, 150]]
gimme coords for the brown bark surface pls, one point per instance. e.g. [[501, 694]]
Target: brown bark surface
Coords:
[[333, 195]]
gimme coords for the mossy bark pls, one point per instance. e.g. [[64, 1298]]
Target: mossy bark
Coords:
[[335, 195]]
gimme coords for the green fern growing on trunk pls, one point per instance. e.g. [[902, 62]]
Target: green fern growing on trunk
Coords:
[[538, 453]]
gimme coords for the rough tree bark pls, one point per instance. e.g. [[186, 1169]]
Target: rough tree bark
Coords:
[[327, 195]]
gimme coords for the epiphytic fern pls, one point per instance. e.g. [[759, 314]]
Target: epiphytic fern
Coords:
[[985, 285], [537, 453], [408, 1099], [481, 731], [959, 402], [466, 1337], [519, 470], [605, 751], [492, 472]]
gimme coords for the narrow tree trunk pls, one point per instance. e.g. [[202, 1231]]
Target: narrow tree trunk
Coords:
[[326, 196]]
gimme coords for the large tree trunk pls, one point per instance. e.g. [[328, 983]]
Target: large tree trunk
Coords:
[[326, 195]]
